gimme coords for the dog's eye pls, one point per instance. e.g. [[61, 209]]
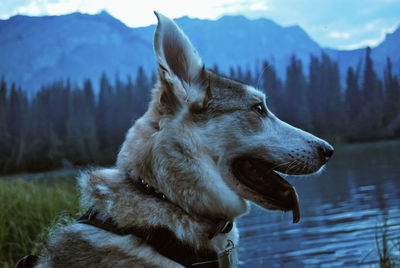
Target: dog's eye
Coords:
[[260, 108]]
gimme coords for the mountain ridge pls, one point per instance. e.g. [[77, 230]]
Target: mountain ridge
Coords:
[[39, 50]]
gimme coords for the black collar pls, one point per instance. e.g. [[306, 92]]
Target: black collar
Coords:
[[163, 240]]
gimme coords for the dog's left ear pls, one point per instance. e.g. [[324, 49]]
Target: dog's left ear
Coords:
[[176, 56]]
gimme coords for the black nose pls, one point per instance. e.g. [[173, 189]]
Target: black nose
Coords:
[[325, 151]]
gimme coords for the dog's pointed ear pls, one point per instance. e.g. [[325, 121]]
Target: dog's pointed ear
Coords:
[[176, 56]]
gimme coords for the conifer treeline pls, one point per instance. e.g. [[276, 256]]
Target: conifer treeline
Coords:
[[65, 126]]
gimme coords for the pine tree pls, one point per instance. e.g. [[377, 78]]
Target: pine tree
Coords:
[[352, 96], [104, 120], [247, 79], [142, 92], [89, 127], [392, 100], [232, 73], [371, 116], [215, 69], [23, 129], [239, 74], [272, 87], [76, 150], [89, 96], [14, 113], [334, 110], [45, 147], [353, 104], [58, 107], [5, 148], [316, 94], [3, 109], [369, 81], [16, 122], [130, 99], [296, 109], [324, 96], [120, 113]]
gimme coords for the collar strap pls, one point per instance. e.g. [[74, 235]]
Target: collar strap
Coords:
[[146, 188], [161, 239], [222, 226]]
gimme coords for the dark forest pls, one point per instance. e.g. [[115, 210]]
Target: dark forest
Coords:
[[66, 126]]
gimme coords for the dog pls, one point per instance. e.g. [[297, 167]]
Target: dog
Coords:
[[206, 146]]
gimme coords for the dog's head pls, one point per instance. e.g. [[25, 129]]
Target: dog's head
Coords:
[[209, 143]]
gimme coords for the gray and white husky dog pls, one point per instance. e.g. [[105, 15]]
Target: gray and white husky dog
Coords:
[[188, 167]]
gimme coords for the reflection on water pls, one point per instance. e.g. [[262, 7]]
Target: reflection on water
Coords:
[[342, 211]]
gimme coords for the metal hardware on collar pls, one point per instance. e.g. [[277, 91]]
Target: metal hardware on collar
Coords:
[[204, 263], [227, 227], [142, 185], [223, 226], [229, 257]]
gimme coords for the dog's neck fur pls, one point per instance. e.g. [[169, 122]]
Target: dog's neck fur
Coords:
[[186, 181], [112, 195]]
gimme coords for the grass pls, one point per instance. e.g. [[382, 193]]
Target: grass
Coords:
[[28, 208], [386, 249]]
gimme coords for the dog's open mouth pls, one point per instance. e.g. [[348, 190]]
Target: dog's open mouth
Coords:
[[258, 175]]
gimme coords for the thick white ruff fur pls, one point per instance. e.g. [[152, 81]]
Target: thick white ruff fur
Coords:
[[183, 146]]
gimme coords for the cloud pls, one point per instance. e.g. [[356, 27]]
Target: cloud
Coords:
[[241, 6], [339, 35], [362, 43], [38, 7], [337, 23]]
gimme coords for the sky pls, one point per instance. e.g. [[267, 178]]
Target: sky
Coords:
[[341, 24]]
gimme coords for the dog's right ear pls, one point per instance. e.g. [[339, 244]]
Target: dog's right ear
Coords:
[[180, 68]]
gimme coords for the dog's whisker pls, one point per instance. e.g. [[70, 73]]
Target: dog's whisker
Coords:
[[266, 67]]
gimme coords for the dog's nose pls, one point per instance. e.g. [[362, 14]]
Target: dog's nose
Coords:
[[325, 151]]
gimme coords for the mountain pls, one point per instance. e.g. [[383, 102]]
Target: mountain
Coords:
[[237, 41], [39, 50], [390, 47]]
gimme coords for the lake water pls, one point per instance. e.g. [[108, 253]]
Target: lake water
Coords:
[[342, 212]]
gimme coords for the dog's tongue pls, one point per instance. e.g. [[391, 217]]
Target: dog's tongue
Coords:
[[280, 193], [296, 206], [283, 193]]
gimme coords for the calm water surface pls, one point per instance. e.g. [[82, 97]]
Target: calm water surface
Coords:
[[343, 210]]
